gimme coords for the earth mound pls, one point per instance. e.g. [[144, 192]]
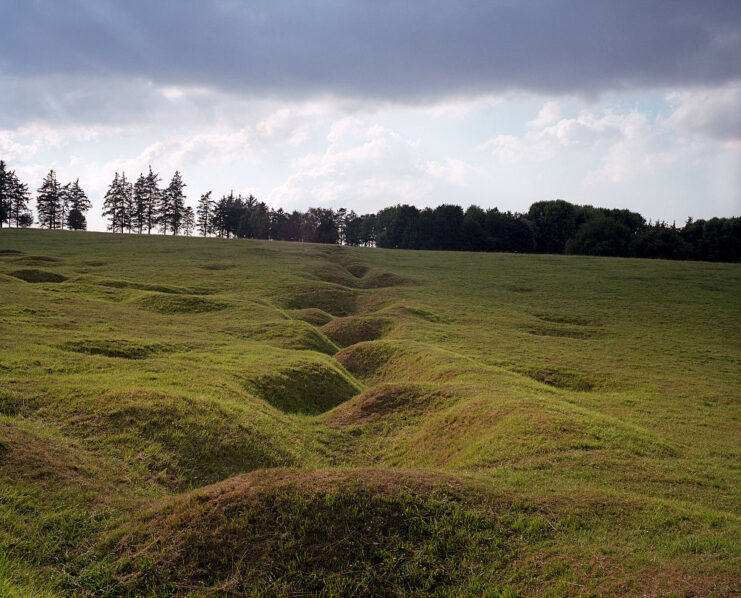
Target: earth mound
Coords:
[[304, 386], [324, 532], [312, 315], [332, 299], [351, 330]]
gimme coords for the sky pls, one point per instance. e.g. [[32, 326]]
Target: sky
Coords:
[[369, 103]]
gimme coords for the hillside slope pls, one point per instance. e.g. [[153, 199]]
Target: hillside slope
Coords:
[[226, 417]]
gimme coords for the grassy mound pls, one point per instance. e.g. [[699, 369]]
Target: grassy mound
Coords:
[[333, 299], [304, 386], [425, 313], [405, 361], [45, 460], [357, 269], [562, 378], [116, 348], [334, 274], [363, 533], [4, 252], [312, 315], [158, 288], [35, 260], [367, 360], [385, 400], [179, 304], [290, 334], [177, 440], [375, 279], [33, 275], [348, 331]]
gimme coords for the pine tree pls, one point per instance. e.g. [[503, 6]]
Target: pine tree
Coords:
[[117, 204], [172, 205], [205, 212], [152, 199], [14, 198], [63, 206], [20, 214], [189, 221], [139, 213], [76, 220], [128, 202], [5, 194], [111, 207], [74, 198], [49, 202]]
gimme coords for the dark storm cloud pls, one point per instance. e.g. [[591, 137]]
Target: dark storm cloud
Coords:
[[388, 49]]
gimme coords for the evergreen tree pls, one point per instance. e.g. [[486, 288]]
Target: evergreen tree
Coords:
[[172, 205], [128, 202], [74, 198], [76, 220], [139, 204], [227, 214], [25, 220], [14, 198], [189, 221], [117, 204], [19, 212], [205, 214], [5, 194], [152, 200], [49, 202]]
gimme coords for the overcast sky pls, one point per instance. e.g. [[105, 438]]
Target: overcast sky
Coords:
[[366, 104]]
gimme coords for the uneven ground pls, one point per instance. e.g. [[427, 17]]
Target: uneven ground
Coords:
[[222, 417]]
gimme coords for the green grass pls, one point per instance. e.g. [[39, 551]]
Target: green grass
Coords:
[[225, 417]]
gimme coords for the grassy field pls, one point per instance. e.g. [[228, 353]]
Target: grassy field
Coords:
[[224, 417]]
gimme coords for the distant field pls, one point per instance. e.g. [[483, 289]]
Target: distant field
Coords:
[[225, 417]]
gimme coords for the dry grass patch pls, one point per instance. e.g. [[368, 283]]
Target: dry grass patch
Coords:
[[385, 400]]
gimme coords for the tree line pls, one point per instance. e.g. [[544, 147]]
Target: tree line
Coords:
[[57, 205], [556, 226]]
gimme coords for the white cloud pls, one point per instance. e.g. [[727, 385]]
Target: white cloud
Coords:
[[25, 142], [549, 136], [453, 171], [549, 114], [714, 113], [368, 166]]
